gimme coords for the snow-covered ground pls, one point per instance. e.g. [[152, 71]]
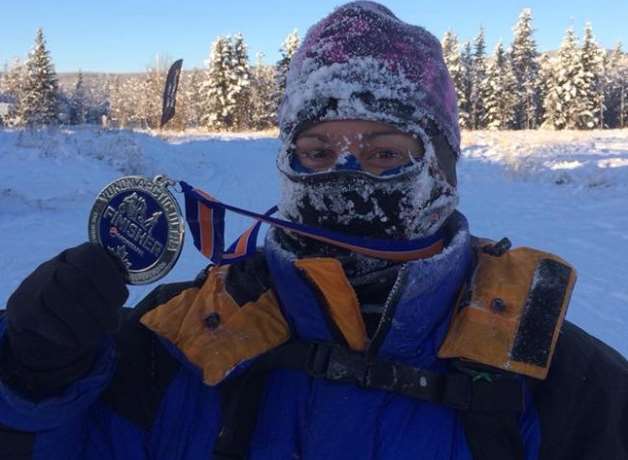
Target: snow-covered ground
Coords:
[[562, 192]]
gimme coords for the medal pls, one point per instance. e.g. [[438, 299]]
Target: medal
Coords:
[[139, 221]]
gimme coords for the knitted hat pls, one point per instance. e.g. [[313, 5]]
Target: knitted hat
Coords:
[[362, 62]]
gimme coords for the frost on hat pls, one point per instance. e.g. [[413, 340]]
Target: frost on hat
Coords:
[[362, 62]]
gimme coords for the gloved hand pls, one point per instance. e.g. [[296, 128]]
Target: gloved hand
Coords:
[[58, 318]]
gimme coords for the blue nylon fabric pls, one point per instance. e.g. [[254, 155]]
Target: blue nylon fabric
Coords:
[[188, 421], [185, 429], [530, 427], [300, 417], [422, 315], [297, 298], [317, 420], [333, 417]]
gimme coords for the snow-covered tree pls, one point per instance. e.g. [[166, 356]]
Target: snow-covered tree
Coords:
[[591, 82], [287, 50], [37, 100], [617, 89], [466, 64], [192, 97], [218, 107], [524, 58], [263, 107], [240, 83], [478, 74], [151, 96], [458, 73], [499, 91], [12, 78], [79, 102], [98, 97], [127, 101], [225, 91], [10, 82], [451, 53], [546, 75], [562, 104], [117, 113]]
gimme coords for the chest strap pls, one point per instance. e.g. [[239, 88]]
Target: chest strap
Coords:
[[464, 389], [493, 394]]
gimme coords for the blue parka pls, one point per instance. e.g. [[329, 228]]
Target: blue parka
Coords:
[[146, 398]]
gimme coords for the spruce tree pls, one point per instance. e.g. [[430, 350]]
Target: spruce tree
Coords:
[[478, 75], [12, 78], [226, 89], [78, 102], [591, 102], [193, 97], [239, 83], [565, 89], [453, 59], [218, 107], [524, 58], [37, 100], [498, 91], [617, 89], [465, 107], [287, 50], [128, 102], [546, 75], [151, 93], [622, 85], [116, 112], [10, 84], [262, 92]]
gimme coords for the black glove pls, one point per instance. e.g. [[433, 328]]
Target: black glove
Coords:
[[58, 318]]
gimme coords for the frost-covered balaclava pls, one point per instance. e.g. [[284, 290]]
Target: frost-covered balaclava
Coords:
[[363, 63]]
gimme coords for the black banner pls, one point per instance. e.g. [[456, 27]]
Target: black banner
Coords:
[[170, 92]]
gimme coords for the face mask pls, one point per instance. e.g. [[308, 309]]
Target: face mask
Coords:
[[412, 202]]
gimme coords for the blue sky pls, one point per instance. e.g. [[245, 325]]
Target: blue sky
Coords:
[[125, 36]]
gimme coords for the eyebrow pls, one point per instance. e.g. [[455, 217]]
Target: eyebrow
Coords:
[[368, 136], [319, 137], [384, 133]]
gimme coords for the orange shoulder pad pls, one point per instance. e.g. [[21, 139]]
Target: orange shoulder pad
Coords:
[[235, 335], [512, 312]]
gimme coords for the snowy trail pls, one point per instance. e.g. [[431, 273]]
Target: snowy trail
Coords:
[[509, 187]]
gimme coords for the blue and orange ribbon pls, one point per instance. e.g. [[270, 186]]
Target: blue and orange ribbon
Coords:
[[206, 217]]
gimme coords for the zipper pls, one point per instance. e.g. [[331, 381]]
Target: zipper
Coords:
[[389, 310]]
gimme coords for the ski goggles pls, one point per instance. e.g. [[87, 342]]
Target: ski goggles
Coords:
[[345, 162]]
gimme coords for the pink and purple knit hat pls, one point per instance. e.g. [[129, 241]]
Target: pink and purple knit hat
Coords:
[[362, 62]]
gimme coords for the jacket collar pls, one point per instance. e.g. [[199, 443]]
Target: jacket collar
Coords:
[[318, 305]]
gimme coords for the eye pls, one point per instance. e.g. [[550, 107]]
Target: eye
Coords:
[[316, 159], [385, 158], [386, 155], [314, 154]]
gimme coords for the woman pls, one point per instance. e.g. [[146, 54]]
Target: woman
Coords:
[[309, 350]]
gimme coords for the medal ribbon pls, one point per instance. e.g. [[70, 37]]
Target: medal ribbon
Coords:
[[206, 217]]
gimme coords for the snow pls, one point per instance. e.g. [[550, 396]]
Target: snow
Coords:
[[563, 192]]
